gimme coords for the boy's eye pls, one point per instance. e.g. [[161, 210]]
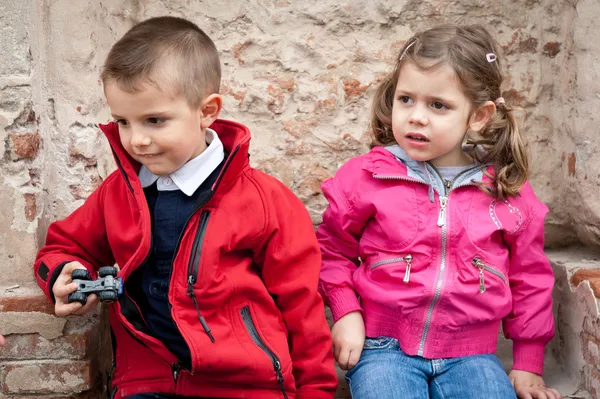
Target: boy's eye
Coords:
[[155, 121], [122, 122], [405, 99], [438, 105]]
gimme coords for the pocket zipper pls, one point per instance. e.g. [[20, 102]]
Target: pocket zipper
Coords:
[[408, 259], [478, 263], [249, 323]]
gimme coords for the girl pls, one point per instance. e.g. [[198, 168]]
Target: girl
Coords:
[[441, 242]]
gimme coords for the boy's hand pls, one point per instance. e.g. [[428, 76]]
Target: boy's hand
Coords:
[[63, 286], [348, 334], [531, 386]]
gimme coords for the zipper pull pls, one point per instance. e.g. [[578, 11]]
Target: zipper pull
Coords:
[[479, 264], [191, 294], [442, 217], [448, 184], [277, 367], [176, 368], [407, 259]]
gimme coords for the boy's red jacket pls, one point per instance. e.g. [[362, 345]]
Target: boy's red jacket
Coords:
[[247, 263]]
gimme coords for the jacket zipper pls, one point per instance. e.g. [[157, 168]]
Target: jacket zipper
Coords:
[[443, 223], [249, 323], [478, 263], [408, 259], [193, 266], [176, 366]]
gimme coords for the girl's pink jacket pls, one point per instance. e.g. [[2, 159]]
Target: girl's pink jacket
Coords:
[[437, 265]]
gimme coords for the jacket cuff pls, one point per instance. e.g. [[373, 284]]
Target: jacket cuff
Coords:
[[342, 301], [314, 394], [57, 271], [529, 356]]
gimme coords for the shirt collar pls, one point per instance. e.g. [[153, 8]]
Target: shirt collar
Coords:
[[194, 172]]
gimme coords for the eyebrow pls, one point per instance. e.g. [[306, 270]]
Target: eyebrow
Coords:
[[146, 115], [435, 98]]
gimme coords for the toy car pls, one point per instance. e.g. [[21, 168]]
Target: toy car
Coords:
[[108, 286]]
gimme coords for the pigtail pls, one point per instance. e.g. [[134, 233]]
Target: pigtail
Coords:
[[504, 147], [381, 114]]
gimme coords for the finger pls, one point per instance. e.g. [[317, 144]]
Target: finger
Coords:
[[551, 393], [343, 359], [63, 290], [92, 301], [66, 309], [354, 357], [523, 394], [539, 394], [336, 351], [557, 394]]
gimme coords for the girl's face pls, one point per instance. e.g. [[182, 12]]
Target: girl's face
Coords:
[[431, 115]]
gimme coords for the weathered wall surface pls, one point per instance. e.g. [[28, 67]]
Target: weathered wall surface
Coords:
[[301, 75]]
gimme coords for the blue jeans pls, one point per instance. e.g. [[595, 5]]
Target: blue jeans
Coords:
[[385, 372]]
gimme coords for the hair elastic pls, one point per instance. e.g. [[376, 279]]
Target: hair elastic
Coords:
[[499, 100], [406, 49], [491, 57]]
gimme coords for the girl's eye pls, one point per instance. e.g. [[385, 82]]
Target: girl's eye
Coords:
[[155, 121], [122, 122], [438, 105], [405, 99]]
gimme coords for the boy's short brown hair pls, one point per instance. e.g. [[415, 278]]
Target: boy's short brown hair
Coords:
[[171, 53]]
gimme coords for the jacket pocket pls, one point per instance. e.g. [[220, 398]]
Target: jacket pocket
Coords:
[[407, 260], [253, 332], [485, 269]]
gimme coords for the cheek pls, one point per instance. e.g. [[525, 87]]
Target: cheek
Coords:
[[124, 137]]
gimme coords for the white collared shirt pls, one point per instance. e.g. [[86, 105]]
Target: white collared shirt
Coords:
[[193, 173]]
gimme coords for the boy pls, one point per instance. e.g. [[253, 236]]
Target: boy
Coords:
[[219, 261]]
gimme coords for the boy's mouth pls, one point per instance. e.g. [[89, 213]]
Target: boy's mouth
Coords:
[[417, 137]]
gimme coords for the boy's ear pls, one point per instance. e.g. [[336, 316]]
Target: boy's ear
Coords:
[[210, 109], [482, 116]]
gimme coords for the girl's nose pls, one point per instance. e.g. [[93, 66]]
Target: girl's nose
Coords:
[[418, 116]]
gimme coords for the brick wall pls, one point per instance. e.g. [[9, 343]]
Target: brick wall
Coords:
[[301, 75], [50, 357]]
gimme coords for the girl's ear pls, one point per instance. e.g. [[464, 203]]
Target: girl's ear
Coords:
[[482, 116]]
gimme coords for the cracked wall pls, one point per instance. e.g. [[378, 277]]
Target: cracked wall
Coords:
[[301, 75]]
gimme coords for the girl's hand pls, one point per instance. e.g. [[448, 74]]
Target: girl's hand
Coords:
[[63, 286], [348, 334], [2, 341], [531, 386]]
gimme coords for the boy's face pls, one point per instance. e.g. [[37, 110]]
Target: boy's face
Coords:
[[158, 130]]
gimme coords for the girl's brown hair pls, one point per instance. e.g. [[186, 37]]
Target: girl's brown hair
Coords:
[[466, 50]]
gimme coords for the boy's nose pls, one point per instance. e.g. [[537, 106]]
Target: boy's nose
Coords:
[[139, 138]]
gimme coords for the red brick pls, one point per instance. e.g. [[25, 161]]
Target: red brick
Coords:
[[591, 275], [26, 304], [551, 49], [33, 346], [352, 88], [45, 377], [30, 207], [25, 145]]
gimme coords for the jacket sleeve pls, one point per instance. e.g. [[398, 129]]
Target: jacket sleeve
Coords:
[[338, 237], [80, 237], [290, 258], [531, 322]]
